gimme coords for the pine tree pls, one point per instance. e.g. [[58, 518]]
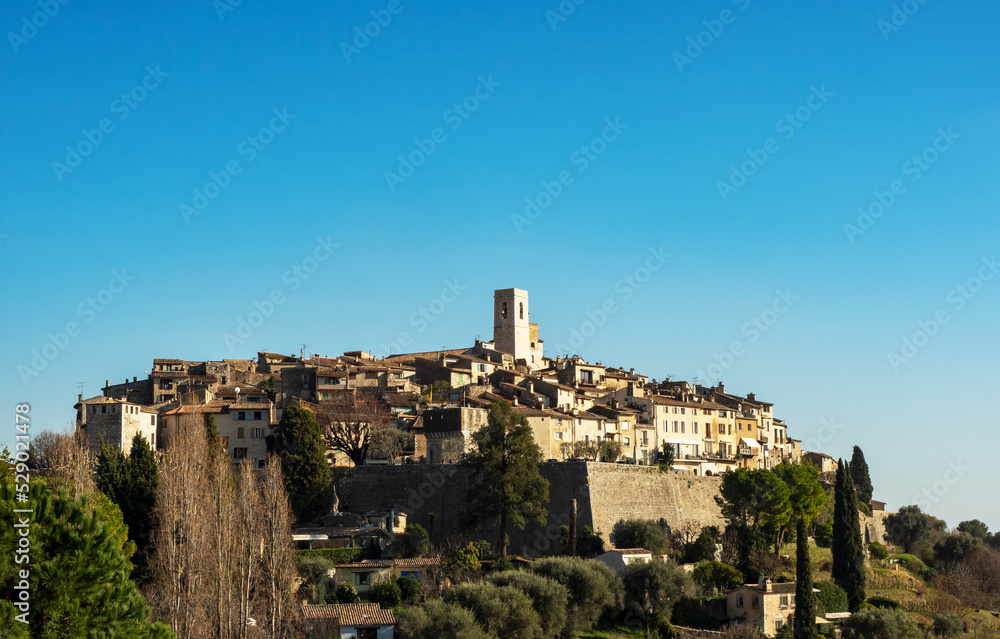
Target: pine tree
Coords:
[[78, 570], [805, 600], [854, 550], [299, 443], [508, 488], [859, 474]]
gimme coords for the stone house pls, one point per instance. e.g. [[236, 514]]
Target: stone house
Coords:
[[116, 422], [766, 605], [354, 621], [618, 558]]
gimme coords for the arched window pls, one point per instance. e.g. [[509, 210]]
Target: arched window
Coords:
[[521, 309], [503, 311]]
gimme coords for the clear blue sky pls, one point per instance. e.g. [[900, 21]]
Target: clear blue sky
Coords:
[[864, 100]]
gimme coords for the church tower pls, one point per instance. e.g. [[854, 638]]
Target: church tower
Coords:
[[511, 333]]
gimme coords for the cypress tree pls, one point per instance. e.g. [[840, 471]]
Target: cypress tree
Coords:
[[854, 550], [837, 547], [299, 443], [859, 474], [805, 601]]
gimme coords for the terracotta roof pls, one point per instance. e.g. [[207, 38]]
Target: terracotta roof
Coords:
[[366, 564], [250, 405], [407, 563], [631, 551], [776, 589], [101, 399], [355, 614]]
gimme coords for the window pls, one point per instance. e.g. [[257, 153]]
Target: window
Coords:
[[239, 453], [558, 435], [682, 410], [739, 601], [364, 578], [778, 623], [152, 420], [258, 433], [628, 442], [482, 368], [239, 433], [683, 426], [676, 426], [152, 440], [104, 409], [260, 463], [783, 601], [503, 311], [755, 603], [257, 414], [521, 310], [695, 428]]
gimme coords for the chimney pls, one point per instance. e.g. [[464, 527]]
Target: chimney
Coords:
[[752, 397], [721, 387], [135, 379], [531, 386], [515, 400]]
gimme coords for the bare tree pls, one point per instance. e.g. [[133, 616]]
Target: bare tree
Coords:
[[225, 523], [279, 578], [387, 443], [182, 563], [248, 543], [349, 421], [69, 460]]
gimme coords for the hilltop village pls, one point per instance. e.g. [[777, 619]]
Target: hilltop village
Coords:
[[576, 409]]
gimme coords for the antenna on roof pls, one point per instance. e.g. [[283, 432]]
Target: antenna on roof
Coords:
[[302, 353], [81, 386]]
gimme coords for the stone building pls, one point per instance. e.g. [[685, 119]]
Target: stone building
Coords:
[[115, 422], [766, 605]]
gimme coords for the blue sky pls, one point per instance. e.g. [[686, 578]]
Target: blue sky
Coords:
[[700, 162]]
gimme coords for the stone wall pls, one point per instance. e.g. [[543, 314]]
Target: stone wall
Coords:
[[433, 496]]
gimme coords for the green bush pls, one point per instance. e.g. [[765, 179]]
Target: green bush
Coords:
[[503, 611], [883, 602], [593, 589], [948, 625], [550, 598], [409, 589], [386, 593], [335, 555], [878, 551], [830, 598], [824, 535], [347, 593], [641, 533], [437, 619], [883, 623]]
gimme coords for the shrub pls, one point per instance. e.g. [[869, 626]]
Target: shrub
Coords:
[[550, 598], [884, 623], [830, 598], [439, 620], [593, 589], [385, 593], [717, 575], [641, 533], [652, 589], [948, 625], [824, 535], [910, 562], [503, 611], [703, 548], [878, 551], [332, 555], [409, 589], [883, 602], [347, 593]]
